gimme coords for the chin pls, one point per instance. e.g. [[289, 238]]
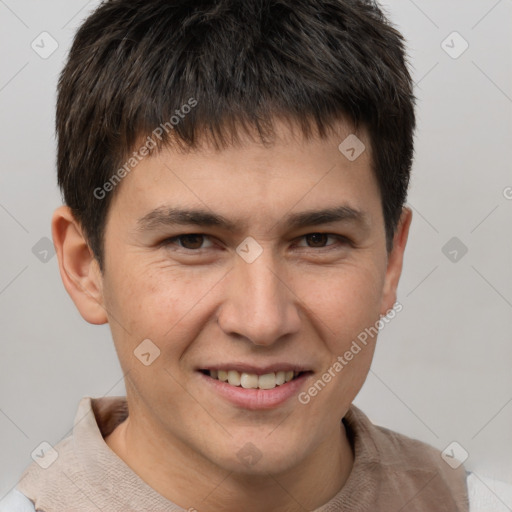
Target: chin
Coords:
[[258, 456]]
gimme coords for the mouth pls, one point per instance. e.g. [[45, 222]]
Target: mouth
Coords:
[[252, 380], [250, 387]]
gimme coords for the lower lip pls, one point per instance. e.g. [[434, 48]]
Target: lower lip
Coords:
[[257, 399]]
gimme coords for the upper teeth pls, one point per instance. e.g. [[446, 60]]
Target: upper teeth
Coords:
[[253, 381]]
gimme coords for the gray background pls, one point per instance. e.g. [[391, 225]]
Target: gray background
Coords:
[[442, 368]]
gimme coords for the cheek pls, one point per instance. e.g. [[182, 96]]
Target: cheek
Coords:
[[344, 301], [346, 306], [170, 305], [161, 303]]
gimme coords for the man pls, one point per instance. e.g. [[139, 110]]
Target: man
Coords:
[[234, 177]]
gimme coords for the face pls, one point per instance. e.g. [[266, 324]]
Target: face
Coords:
[[253, 284]]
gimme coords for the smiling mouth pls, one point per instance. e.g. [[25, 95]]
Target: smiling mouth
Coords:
[[252, 380]]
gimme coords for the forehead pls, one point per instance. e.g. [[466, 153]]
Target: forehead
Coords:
[[249, 179]]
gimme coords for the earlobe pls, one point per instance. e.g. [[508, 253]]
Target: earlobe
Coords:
[[395, 261], [78, 267]]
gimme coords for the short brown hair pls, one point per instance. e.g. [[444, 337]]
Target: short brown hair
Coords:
[[133, 63]]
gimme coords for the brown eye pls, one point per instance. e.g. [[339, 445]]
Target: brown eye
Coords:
[[192, 241], [317, 239], [327, 241]]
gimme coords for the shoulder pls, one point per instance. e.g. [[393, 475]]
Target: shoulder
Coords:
[[407, 467], [15, 501], [488, 495], [394, 449]]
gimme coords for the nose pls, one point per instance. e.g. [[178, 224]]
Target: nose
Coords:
[[260, 305]]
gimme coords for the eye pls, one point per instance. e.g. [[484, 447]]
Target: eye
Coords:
[[189, 241], [319, 240], [195, 241]]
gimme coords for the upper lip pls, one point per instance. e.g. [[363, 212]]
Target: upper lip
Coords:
[[258, 370]]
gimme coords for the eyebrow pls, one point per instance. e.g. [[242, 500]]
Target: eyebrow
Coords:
[[167, 216]]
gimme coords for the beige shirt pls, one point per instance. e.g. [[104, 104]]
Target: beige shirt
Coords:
[[391, 472]]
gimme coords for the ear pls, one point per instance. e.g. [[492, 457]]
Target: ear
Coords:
[[79, 269], [395, 261]]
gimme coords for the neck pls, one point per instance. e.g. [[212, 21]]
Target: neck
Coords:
[[186, 478]]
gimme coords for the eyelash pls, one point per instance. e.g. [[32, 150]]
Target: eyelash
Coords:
[[341, 239]]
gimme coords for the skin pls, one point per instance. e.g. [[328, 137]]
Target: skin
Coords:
[[301, 301]]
